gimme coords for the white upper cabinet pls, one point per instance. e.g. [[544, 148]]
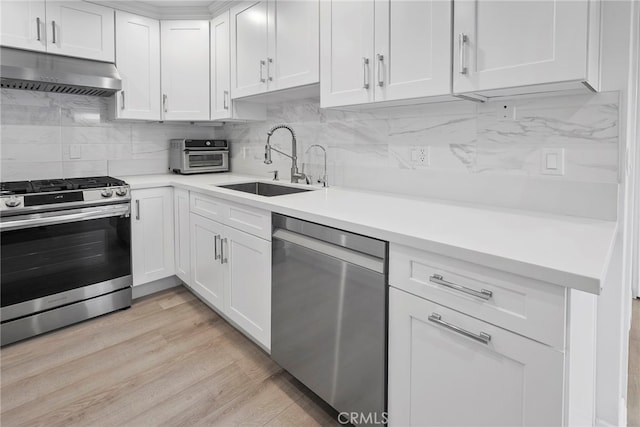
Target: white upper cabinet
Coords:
[[220, 68], [80, 29], [185, 70], [23, 24], [274, 46], [138, 61], [69, 28], [222, 107], [249, 49], [384, 50], [294, 40], [501, 45]]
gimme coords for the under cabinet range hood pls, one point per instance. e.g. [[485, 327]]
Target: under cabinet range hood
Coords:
[[26, 70]]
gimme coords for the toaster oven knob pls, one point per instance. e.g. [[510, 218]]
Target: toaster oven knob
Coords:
[[107, 192], [12, 202], [121, 191]]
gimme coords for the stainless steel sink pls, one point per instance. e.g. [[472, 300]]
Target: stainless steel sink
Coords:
[[264, 188]]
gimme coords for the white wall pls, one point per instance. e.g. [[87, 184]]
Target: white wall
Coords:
[[474, 157], [39, 130]]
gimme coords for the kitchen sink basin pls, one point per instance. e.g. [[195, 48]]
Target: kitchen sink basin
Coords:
[[264, 188]]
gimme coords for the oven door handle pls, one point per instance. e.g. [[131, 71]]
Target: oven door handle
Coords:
[[73, 215]]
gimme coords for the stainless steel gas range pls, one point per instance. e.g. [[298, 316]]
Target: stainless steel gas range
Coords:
[[66, 253]]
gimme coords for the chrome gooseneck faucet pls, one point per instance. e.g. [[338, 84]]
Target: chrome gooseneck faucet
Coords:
[[323, 180], [295, 174]]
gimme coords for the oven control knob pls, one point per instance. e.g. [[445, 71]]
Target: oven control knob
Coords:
[[121, 191], [207, 143], [12, 202], [107, 192]]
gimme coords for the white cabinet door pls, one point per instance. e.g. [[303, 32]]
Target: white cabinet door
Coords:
[[207, 270], [518, 43], [220, 68], [439, 376], [22, 24], [249, 68], [294, 33], [152, 234], [185, 70], [346, 52], [80, 29], [138, 61], [412, 49], [181, 216], [248, 284]]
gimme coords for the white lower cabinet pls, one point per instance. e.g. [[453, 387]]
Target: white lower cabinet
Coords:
[[447, 368], [231, 270], [207, 270], [181, 216], [152, 239]]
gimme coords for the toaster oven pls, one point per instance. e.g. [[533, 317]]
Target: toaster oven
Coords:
[[187, 156]]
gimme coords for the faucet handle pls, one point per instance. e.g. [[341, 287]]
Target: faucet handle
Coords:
[[275, 175]]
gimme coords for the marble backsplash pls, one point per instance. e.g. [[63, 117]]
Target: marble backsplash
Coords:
[[473, 155], [43, 134]]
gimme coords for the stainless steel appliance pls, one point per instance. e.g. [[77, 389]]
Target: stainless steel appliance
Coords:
[[329, 305], [39, 71], [66, 253], [187, 156]]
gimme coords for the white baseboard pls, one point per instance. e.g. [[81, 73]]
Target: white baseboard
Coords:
[[155, 286]]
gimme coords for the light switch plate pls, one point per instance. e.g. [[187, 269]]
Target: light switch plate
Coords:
[[75, 152], [552, 161]]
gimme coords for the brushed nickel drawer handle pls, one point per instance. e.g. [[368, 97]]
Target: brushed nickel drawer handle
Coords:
[[462, 51], [216, 241], [223, 255], [483, 294], [481, 337]]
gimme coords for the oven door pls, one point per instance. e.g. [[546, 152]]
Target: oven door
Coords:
[[56, 258], [206, 161]]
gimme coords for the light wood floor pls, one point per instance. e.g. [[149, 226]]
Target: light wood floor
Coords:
[[633, 394], [168, 360]]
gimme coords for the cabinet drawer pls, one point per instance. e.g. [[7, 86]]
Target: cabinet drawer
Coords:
[[206, 206], [244, 218], [528, 307], [249, 219]]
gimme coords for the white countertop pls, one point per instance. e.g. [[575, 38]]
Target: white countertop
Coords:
[[567, 251]]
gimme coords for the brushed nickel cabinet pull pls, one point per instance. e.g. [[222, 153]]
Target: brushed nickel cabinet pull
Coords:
[[481, 337], [164, 102], [269, 62], [225, 100], [262, 64], [138, 210], [38, 29], [380, 65], [365, 73], [53, 34], [216, 241], [462, 51], [483, 294], [223, 255], [122, 106]]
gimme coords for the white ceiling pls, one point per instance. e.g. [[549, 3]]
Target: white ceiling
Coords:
[[173, 3]]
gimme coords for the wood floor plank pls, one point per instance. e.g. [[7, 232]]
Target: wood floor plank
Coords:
[[169, 360]]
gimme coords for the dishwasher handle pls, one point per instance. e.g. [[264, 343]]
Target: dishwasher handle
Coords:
[[335, 251]]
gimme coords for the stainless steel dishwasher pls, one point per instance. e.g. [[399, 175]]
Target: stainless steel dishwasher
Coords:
[[329, 305]]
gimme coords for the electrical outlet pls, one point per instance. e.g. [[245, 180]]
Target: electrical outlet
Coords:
[[420, 156], [505, 111]]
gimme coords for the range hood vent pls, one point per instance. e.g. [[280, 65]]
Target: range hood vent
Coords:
[[25, 70]]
